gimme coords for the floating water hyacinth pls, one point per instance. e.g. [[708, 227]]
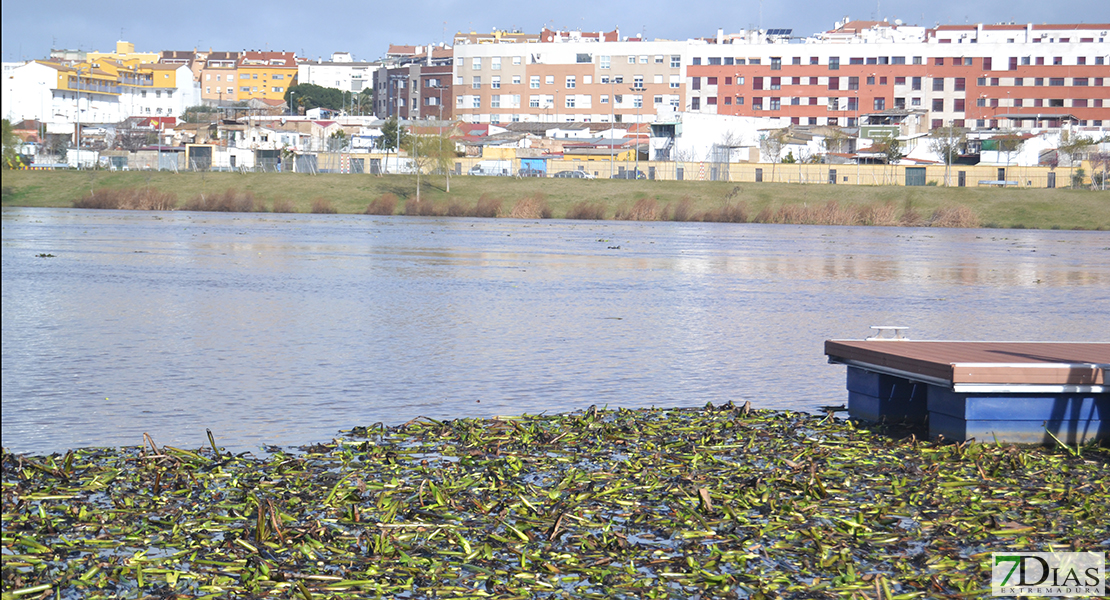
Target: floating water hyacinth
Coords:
[[716, 502]]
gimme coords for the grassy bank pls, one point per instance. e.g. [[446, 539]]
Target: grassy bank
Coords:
[[720, 502], [563, 198]]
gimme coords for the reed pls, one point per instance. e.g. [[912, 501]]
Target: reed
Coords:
[[284, 205], [128, 199], [487, 207], [230, 200], [534, 206], [382, 205], [954, 216], [323, 206], [586, 210], [645, 209]]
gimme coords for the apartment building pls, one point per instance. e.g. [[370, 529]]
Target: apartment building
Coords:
[[101, 91], [219, 78], [265, 75], [341, 72], [985, 76], [415, 83], [561, 76]]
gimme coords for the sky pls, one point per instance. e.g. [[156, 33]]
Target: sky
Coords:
[[365, 29]]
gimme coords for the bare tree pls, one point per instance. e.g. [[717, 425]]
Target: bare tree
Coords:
[[770, 146], [947, 142], [1075, 148]]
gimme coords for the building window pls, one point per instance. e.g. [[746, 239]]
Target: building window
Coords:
[[604, 99], [938, 105], [516, 79], [1055, 81], [657, 100], [695, 104], [728, 100], [915, 84], [938, 62], [834, 63], [711, 81], [638, 82], [549, 80], [695, 83], [715, 60], [899, 81], [658, 59], [533, 101], [569, 101], [834, 83], [476, 64], [571, 82], [676, 61], [475, 102], [871, 80], [958, 105], [776, 103], [1079, 81], [495, 101], [476, 82], [711, 101], [960, 84], [776, 83], [604, 62], [534, 82], [776, 63], [644, 60]]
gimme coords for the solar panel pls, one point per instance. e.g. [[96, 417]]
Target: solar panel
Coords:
[[779, 31]]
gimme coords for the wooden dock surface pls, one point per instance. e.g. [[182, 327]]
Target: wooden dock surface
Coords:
[[1002, 363]]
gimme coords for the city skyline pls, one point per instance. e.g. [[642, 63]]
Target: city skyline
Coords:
[[31, 31]]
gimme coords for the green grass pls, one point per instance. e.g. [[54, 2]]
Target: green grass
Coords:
[[1029, 208]]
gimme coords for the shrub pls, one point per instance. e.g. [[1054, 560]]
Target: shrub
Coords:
[[322, 206], [531, 207], [382, 205], [587, 211], [456, 209], [954, 216]]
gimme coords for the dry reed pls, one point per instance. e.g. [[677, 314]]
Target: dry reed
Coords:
[[531, 207], [129, 199], [729, 213], [382, 205], [323, 206], [487, 206], [284, 205], [684, 210], [879, 214], [586, 211], [954, 216], [231, 200], [645, 209]]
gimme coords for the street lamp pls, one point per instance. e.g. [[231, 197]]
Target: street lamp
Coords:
[[78, 96]]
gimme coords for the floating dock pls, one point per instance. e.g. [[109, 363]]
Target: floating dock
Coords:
[[1016, 392]]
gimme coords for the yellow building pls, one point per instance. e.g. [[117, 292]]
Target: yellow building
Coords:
[[125, 51], [265, 75]]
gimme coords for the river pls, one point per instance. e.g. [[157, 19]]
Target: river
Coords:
[[284, 329]]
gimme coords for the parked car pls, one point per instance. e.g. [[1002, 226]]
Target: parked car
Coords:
[[629, 174], [531, 173], [574, 174]]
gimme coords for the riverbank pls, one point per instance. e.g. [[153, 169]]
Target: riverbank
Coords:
[[567, 198], [720, 501]]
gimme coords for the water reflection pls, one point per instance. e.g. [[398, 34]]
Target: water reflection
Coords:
[[282, 329]]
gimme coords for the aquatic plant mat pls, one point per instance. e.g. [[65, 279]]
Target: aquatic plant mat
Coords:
[[715, 502]]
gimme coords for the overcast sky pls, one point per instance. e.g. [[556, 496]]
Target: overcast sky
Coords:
[[31, 28]]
